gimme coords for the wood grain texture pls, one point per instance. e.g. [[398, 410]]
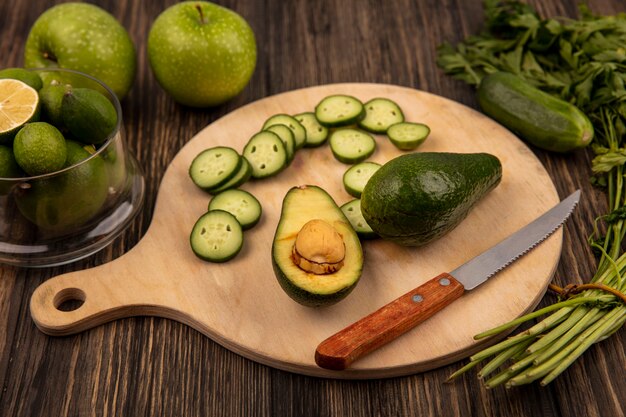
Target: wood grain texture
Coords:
[[240, 304], [153, 366]]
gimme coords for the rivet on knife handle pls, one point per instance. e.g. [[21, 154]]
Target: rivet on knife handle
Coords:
[[387, 323]]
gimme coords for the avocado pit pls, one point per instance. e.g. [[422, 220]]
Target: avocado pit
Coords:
[[319, 248]]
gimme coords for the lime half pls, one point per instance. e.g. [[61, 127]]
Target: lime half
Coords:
[[19, 103]]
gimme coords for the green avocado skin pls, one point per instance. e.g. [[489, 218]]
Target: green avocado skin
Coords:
[[416, 198], [308, 298]]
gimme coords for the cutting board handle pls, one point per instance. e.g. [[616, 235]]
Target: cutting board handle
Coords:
[[48, 300], [103, 294]]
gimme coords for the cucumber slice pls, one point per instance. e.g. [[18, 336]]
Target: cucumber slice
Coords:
[[380, 113], [351, 146], [243, 175], [316, 134], [286, 135], [339, 110], [355, 178], [214, 166], [266, 154], [407, 135], [299, 132], [352, 211], [217, 236], [241, 204]]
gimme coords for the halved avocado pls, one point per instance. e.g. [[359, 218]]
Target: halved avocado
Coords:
[[316, 254]]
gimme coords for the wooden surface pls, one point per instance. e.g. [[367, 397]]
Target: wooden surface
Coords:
[[240, 303], [153, 366]]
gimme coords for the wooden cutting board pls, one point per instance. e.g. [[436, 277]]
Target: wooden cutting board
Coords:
[[240, 305]]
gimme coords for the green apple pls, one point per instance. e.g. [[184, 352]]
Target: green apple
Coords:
[[85, 38], [201, 54]]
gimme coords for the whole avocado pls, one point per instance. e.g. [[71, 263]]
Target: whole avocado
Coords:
[[416, 198]]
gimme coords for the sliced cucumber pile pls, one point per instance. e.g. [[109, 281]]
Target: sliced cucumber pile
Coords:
[[316, 134], [352, 211], [355, 178], [299, 132], [286, 135], [214, 166], [351, 146], [241, 204], [339, 110], [243, 175], [217, 236], [266, 153], [380, 113], [408, 136]]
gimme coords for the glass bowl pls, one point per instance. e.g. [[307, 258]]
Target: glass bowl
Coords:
[[67, 215]]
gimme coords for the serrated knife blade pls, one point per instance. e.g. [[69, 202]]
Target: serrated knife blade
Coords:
[[390, 321], [479, 269]]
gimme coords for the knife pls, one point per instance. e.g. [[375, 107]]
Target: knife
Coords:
[[399, 316]]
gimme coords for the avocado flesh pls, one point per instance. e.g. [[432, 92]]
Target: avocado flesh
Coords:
[[300, 205], [415, 199]]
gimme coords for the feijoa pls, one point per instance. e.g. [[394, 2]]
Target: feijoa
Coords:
[[39, 148], [51, 97], [29, 77], [65, 201], [8, 166], [88, 115]]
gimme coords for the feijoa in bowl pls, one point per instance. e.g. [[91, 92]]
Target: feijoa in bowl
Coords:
[[58, 217]]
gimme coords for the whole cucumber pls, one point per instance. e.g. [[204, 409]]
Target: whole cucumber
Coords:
[[545, 121]]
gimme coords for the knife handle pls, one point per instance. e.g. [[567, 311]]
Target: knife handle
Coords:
[[387, 323]]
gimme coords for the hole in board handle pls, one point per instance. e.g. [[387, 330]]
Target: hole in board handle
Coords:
[[69, 299]]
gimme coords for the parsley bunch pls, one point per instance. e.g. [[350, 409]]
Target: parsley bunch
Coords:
[[582, 61]]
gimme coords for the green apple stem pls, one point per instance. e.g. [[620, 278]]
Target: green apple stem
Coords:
[[49, 56], [202, 18]]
